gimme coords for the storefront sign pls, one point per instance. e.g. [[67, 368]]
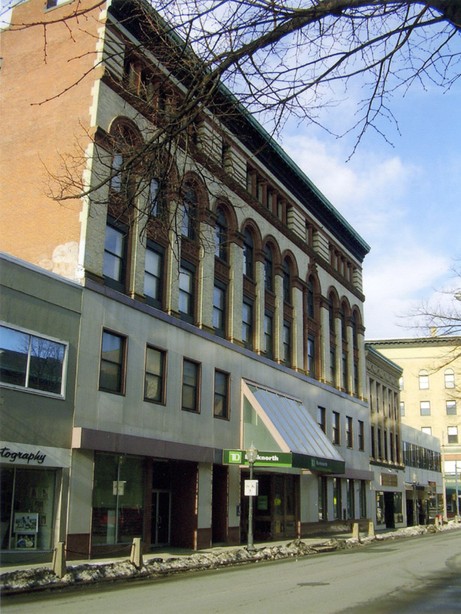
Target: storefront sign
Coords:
[[263, 459], [18, 454], [389, 479]]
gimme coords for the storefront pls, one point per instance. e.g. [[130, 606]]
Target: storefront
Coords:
[[31, 486]]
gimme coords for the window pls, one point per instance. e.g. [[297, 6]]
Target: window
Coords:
[[186, 291], [111, 376], [452, 432], [449, 377], [116, 172], [248, 254], [361, 435], [154, 202], [349, 432], [268, 269], [189, 212], [425, 408], [31, 362], [219, 309], [268, 335], [286, 343], [311, 355], [427, 430], [321, 418], [221, 395], [336, 425], [401, 383], [247, 324], [190, 385], [451, 408], [286, 282], [115, 255], [154, 379], [220, 234], [402, 408], [423, 380], [310, 300], [153, 274]]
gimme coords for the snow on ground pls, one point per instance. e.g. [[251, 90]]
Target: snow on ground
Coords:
[[39, 578]]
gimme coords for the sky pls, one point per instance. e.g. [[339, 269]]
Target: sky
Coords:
[[403, 199]]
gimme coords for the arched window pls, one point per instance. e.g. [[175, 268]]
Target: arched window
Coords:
[[286, 270], [268, 268], [449, 377], [189, 213], [220, 235], [248, 254]]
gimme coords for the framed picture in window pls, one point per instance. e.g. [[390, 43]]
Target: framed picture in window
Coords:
[[25, 523]]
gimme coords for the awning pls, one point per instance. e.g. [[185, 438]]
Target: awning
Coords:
[[275, 422]]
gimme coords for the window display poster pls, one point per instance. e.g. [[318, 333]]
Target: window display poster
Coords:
[[25, 523]]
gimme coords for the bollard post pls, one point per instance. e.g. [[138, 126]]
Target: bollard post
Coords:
[[59, 560], [371, 529], [136, 553], [356, 531]]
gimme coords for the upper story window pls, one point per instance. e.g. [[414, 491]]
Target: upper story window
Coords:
[[268, 268], [114, 266], [286, 281], [310, 299], [112, 367], [321, 418], [336, 428], [286, 342], [423, 380], [154, 378], [219, 309], [361, 435], [349, 432], [154, 274], [268, 335], [425, 408], [187, 291], [452, 433], [32, 362], [449, 377], [154, 199], [402, 408], [221, 395], [248, 254], [189, 214], [191, 386], [311, 350], [427, 430], [451, 408], [247, 324], [116, 180], [221, 235]]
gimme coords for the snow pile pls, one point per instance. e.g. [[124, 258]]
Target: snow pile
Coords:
[[39, 578]]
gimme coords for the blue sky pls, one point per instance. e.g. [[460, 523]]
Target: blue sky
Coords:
[[404, 200]]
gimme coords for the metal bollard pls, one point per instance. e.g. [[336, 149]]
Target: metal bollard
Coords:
[[59, 560]]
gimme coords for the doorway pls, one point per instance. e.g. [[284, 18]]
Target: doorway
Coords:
[[161, 517]]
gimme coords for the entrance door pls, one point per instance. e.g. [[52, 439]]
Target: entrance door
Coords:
[[161, 515]]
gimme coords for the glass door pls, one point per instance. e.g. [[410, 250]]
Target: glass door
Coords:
[[161, 516]]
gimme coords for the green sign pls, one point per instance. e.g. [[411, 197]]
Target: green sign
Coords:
[[263, 459]]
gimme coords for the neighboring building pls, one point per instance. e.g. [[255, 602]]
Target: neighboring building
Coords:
[[39, 329], [385, 436], [244, 326], [430, 398], [423, 476]]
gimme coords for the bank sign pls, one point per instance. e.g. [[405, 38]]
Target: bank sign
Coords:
[[263, 459]]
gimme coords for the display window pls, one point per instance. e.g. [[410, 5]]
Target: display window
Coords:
[[118, 499], [27, 508]]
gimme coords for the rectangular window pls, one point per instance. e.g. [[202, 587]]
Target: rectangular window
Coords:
[[154, 379], [114, 265], [321, 418], [221, 395], [31, 362], [153, 275], [336, 428], [427, 430], [247, 324], [349, 432], [190, 386], [311, 355], [219, 310], [111, 375], [268, 335], [361, 435], [187, 292], [286, 343], [402, 408], [423, 380], [452, 432], [153, 198], [332, 365], [425, 408], [451, 408]]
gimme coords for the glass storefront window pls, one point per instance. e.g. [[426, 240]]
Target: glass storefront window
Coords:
[[118, 499], [27, 508]]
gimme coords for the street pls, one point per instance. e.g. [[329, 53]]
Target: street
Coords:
[[404, 576]]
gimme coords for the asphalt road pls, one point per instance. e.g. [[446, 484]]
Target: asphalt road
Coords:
[[420, 574]]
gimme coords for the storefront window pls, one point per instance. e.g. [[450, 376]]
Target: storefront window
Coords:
[[27, 506], [118, 499]]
